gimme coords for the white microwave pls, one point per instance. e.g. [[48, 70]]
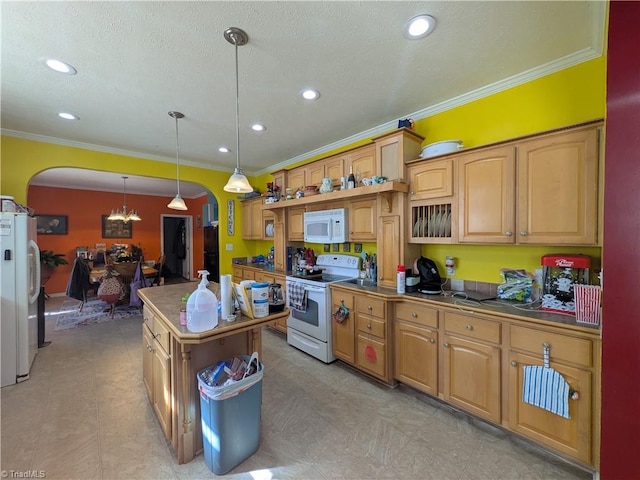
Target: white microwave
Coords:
[[326, 226]]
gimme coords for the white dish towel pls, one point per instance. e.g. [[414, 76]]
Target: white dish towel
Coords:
[[546, 388]]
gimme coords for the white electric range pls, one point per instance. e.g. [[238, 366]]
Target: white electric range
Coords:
[[310, 331]]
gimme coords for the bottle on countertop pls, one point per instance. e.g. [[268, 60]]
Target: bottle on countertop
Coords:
[[202, 307], [351, 181], [401, 278]]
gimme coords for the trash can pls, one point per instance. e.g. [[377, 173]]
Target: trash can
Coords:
[[230, 417]]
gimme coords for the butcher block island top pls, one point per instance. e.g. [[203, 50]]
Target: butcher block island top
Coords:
[[172, 357]]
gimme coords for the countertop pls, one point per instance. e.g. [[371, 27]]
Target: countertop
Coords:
[[502, 308], [166, 300]]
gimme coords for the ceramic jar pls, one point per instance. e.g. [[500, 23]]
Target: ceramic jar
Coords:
[[326, 186]]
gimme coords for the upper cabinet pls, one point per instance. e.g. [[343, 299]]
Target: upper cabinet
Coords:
[[363, 162], [486, 196], [393, 150], [558, 188], [253, 227], [297, 178], [543, 190]]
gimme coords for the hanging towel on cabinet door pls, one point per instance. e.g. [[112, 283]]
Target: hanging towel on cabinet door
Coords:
[[546, 388]]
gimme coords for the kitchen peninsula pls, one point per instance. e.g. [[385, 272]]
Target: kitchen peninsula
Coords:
[[172, 356]]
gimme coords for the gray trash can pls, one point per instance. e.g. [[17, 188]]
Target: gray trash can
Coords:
[[230, 417]]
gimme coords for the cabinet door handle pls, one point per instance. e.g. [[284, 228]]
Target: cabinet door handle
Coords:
[[149, 348], [432, 340], [446, 344], [523, 233], [369, 307], [412, 193], [369, 326], [508, 233], [514, 363], [156, 336], [414, 314], [469, 327]]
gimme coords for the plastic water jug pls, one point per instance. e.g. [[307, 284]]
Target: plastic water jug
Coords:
[[202, 307]]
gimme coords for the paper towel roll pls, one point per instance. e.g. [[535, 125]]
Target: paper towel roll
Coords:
[[226, 287]]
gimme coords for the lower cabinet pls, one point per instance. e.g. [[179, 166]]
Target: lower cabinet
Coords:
[[156, 369], [416, 346], [344, 334], [476, 363]]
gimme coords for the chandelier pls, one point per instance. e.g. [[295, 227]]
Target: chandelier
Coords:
[[123, 215]]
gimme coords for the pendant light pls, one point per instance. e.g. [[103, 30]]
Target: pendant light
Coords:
[[177, 203], [237, 183], [123, 215]]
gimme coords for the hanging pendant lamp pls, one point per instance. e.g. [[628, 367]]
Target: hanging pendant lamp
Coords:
[[237, 183], [123, 215], [177, 203]]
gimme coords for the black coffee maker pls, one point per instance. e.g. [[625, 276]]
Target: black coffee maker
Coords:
[[276, 298], [430, 280]]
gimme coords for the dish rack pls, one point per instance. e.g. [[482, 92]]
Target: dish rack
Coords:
[[431, 223]]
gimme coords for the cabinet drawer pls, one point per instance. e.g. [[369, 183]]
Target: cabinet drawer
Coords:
[[161, 334], [417, 313], [473, 327], [249, 274], [371, 306], [148, 318], [237, 274], [562, 348], [371, 325], [375, 361]]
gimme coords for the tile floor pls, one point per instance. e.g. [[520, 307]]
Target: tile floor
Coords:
[[84, 415]]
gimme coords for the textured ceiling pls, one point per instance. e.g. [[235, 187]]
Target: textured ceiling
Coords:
[[138, 60]]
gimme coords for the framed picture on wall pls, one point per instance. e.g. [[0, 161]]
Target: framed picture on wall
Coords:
[[52, 224], [116, 228]]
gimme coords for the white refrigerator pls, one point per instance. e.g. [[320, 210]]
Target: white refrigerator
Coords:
[[19, 287]]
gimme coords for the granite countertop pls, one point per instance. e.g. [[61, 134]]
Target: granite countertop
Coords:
[[503, 308], [167, 301]]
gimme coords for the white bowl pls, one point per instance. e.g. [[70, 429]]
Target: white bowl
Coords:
[[440, 148]]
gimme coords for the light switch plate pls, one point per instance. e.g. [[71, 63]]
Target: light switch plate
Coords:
[[229, 247]]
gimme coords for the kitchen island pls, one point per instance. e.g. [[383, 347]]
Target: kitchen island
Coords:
[[172, 356]]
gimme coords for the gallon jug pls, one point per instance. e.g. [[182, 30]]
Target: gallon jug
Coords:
[[202, 307]]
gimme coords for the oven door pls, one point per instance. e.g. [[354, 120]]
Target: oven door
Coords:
[[314, 320]]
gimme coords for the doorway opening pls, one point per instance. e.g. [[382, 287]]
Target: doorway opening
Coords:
[[177, 246]]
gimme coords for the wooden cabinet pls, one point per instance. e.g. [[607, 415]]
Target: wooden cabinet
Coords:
[[431, 179], [416, 346], [334, 169], [471, 356], [252, 221], [486, 196], [393, 150], [315, 173], [295, 223], [363, 220], [156, 368], [552, 179], [388, 252], [372, 352], [558, 188], [344, 334], [362, 160], [573, 358], [296, 178]]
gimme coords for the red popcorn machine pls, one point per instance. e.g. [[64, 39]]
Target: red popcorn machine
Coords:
[[560, 274]]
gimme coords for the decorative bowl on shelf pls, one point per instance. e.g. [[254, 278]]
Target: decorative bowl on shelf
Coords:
[[310, 190]]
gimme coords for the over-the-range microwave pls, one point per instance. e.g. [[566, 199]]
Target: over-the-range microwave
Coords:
[[326, 226]]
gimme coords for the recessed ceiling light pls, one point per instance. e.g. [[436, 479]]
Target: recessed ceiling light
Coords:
[[310, 94], [224, 150], [68, 116], [258, 127], [419, 27], [60, 66]]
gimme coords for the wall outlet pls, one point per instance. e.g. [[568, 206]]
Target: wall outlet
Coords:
[[457, 284], [229, 247]]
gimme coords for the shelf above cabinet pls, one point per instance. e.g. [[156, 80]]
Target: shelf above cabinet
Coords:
[[387, 187]]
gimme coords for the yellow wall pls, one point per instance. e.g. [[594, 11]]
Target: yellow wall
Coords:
[[574, 95], [23, 159]]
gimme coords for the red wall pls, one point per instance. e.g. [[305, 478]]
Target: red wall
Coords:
[[85, 208], [621, 255]]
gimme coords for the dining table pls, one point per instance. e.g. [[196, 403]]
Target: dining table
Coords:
[[96, 274]]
